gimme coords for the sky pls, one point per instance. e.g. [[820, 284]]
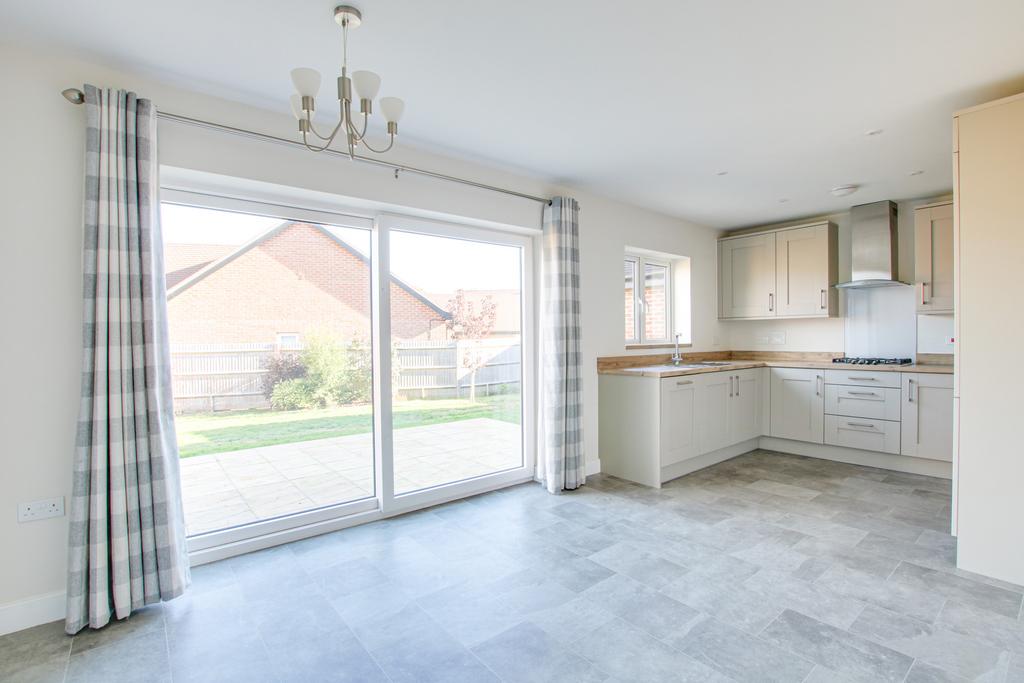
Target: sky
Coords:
[[429, 263]]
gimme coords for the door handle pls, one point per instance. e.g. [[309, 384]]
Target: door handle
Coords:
[[771, 302], [910, 391], [684, 383], [737, 385], [730, 386], [818, 380], [923, 301], [824, 304]]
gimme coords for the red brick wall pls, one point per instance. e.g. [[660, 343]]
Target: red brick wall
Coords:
[[299, 280]]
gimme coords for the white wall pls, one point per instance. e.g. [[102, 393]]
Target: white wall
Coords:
[[40, 281], [829, 334]]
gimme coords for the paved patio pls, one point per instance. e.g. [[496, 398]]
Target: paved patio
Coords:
[[227, 489]]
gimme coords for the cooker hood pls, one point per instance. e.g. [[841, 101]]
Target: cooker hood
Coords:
[[874, 256]]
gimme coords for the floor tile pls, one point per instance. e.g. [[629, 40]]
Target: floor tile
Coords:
[[629, 654], [846, 654], [991, 598], [888, 594], [740, 656], [641, 605], [35, 654], [937, 646], [139, 659], [528, 654]]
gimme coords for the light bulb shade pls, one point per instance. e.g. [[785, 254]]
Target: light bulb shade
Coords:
[[296, 102], [392, 108], [367, 84], [307, 81]]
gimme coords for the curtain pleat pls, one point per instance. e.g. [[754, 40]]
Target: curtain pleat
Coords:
[[126, 545], [561, 462]]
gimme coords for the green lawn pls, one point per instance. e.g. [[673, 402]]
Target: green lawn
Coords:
[[204, 433]]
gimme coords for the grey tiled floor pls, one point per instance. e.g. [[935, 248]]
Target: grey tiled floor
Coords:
[[767, 567]]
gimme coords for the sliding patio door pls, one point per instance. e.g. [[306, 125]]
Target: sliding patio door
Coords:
[[457, 314], [331, 368]]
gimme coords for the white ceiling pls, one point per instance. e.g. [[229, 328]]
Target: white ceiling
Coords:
[[641, 101]]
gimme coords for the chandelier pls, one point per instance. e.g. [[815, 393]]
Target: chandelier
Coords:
[[353, 125]]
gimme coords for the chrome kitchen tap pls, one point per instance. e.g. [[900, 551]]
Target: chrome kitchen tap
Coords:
[[677, 357]]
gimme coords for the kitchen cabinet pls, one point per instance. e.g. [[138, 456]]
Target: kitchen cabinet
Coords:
[[806, 269], [678, 439], [714, 400], [933, 258], [797, 404], [728, 408], [747, 276], [927, 416], [782, 273]]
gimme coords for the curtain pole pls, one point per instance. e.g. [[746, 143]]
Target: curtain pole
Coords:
[[75, 96]]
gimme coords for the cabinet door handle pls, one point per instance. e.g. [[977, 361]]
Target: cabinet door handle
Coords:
[[910, 391], [860, 424], [824, 304], [863, 379], [684, 383], [730, 386], [862, 393], [771, 302], [923, 301], [818, 380]]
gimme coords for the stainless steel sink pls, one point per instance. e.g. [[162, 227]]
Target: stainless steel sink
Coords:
[[668, 367]]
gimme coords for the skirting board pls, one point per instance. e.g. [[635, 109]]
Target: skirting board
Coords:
[[885, 461], [41, 609]]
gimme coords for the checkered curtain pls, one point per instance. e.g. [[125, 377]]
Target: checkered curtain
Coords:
[[561, 463], [126, 545]]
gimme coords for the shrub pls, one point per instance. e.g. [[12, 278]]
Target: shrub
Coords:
[[294, 394], [283, 366], [325, 373]]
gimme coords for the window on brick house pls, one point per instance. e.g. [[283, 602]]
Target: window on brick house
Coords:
[[648, 300]]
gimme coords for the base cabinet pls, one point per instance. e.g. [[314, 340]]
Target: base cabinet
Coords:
[[927, 416], [678, 429], [728, 408], [798, 404]]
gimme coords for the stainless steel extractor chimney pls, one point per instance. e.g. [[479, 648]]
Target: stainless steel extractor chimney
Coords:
[[874, 257]]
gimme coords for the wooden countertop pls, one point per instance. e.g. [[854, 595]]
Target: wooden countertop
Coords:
[[659, 369]]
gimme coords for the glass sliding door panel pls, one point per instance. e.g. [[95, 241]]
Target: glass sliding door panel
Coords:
[[457, 354], [270, 332]]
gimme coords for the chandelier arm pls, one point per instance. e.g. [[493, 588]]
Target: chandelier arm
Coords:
[[391, 143], [359, 135], [312, 148], [330, 138]]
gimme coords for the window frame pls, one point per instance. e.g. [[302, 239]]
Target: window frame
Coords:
[[640, 262], [224, 543]]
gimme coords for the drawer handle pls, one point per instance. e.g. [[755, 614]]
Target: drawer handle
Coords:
[[863, 379], [684, 383], [861, 424], [862, 393]]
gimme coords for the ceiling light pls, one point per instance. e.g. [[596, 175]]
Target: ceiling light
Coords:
[[367, 85], [721, 173], [844, 190], [873, 132], [913, 173], [783, 200]]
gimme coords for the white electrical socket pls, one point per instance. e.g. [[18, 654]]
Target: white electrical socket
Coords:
[[761, 339], [778, 338], [41, 509]]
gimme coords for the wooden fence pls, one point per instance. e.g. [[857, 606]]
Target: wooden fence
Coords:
[[213, 377]]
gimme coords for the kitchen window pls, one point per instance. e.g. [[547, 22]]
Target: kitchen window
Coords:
[[648, 299]]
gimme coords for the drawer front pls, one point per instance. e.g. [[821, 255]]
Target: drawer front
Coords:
[[863, 433], [863, 378], [855, 401]]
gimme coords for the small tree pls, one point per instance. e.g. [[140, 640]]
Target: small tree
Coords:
[[469, 324]]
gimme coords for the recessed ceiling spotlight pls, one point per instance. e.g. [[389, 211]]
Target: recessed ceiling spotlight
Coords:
[[844, 190], [915, 173], [721, 173], [873, 132], [783, 200]]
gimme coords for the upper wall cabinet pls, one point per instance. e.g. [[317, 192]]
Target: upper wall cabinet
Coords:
[[785, 273], [933, 258]]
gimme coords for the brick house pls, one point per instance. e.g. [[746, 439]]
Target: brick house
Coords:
[[295, 279]]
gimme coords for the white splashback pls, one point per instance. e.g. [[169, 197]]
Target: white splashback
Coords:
[[881, 322]]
